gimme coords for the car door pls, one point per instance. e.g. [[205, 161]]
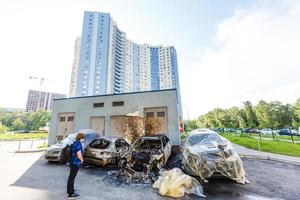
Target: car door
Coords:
[[118, 147], [167, 148]]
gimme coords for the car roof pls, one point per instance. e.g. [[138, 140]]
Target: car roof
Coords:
[[112, 138], [152, 137], [202, 131]]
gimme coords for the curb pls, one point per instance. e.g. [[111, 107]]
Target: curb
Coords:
[[269, 158], [24, 139], [31, 151]]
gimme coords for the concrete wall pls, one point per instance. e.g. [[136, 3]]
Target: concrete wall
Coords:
[[84, 110]]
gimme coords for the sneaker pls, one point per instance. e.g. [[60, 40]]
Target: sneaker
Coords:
[[74, 192], [74, 196]]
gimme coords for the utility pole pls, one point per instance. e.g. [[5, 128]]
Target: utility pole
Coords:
[[38, 107]]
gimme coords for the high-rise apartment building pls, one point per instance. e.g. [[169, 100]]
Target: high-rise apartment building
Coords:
[[37, 100], [75, 67], [110, 63]]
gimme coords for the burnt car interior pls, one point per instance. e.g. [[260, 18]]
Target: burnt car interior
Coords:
[[148, 144], [121, 143], [100, 144]]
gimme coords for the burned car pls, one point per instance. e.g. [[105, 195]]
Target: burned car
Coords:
[[206, 153], [105, 150], [147, 154]]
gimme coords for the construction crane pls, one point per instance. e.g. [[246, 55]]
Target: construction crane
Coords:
[[40, 90]]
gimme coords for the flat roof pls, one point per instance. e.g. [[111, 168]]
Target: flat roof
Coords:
[[104, 95]]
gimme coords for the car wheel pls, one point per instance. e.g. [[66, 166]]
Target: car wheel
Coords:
[[61, 161], [122, 163], [161, 163]]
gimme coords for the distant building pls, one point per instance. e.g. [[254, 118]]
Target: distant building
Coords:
[[75, 68], [12, 109], [110, 63], [37, 100]]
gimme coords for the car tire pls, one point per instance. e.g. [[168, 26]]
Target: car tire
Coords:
[[61, 161], [122, 163]]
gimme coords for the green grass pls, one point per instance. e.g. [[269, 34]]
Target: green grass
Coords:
[[277, 137], [43, 146], [16, 136], [278, 147]]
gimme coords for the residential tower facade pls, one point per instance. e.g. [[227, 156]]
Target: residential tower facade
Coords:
[[110, 63]]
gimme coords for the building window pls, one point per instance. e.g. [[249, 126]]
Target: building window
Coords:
[[150, 114], [118, 103], [62, 119], [161, 114], [70, 119], [97, 105]]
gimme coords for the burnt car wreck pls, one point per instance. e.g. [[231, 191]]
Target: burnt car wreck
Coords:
[[146, 157], [206, 153], [105, 150]]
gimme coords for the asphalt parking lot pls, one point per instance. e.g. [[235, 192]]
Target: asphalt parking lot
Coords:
[[268, 180]]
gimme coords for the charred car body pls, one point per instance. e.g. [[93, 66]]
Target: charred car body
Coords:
[[147, 154], [105, 150], [206, 153]]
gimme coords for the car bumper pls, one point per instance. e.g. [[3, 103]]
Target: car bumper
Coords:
[[52, 157], [99, 161]]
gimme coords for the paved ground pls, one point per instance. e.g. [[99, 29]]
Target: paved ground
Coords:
[[26, 176]]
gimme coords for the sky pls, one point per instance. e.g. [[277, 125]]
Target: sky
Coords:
[[228, 51]]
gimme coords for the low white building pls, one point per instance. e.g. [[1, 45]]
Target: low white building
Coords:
[[106, 114]]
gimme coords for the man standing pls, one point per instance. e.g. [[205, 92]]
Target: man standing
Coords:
[[76, 160]]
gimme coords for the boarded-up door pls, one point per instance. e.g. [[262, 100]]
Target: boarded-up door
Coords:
[[97, 125], [156, 121], [117, 126], [65, 125]]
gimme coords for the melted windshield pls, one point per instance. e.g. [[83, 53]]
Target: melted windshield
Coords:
[[143, 143]]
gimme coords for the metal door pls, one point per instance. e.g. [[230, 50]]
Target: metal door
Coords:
[[97, 125]]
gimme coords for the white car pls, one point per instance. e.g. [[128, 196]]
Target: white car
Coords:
[[105, 150], [266, 131]]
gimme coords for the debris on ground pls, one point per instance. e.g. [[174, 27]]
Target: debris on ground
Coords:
[[175, 183], [206, 153]]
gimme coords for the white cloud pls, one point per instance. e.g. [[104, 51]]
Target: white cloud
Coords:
[[255, 56]]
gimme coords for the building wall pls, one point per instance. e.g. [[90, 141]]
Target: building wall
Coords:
[[84, 110]]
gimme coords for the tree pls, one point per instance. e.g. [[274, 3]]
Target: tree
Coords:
[[18, 124], [251, 119], [38, 119], [3, 129], [193, 124], [263, 112], [296, 117]]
